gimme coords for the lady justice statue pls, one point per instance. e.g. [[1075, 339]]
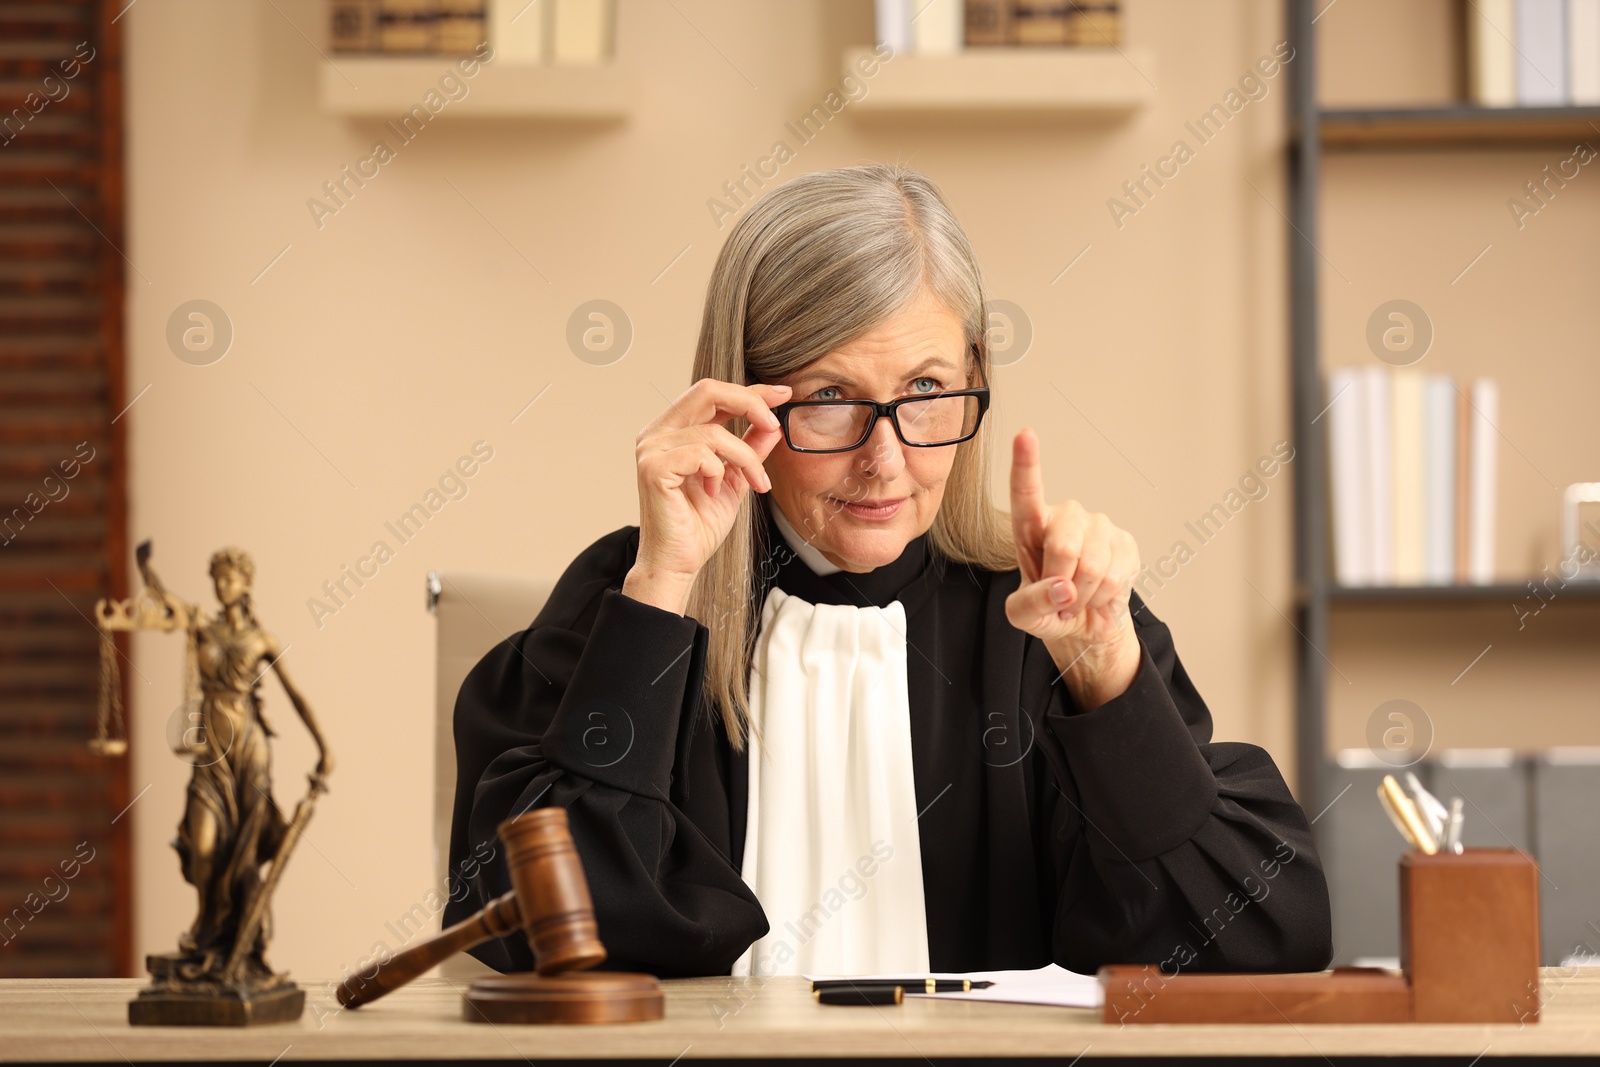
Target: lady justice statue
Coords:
[[231, 825]]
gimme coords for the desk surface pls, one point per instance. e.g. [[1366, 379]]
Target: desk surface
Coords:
[[85, 1020]]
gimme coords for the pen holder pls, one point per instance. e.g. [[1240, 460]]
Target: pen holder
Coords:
[[1469, 953], [1469, 935]]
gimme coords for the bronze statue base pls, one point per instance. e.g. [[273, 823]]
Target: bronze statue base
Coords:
[[172, 1001]]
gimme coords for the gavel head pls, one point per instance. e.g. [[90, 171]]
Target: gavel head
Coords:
[[552, 893]]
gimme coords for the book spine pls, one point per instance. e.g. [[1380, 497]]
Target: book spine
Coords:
[[937, 27], [1380, 475], [1491, 33], [517, 31], [1485, 452], [1463, 498], [1541, 42], [989, 23], [1408, 414], [461, 27], [1583, 51], [1346, 440], [893, 24], [1039, 22], [1439, 520], [1095, 24], [407, 27], [581, 31], [354, 25]]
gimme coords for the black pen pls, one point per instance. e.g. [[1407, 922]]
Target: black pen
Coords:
[[910, 985], [861, 995]]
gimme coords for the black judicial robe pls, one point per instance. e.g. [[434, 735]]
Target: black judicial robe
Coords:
[[1124, 834]]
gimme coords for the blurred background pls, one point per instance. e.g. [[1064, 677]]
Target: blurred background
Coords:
[[271, 268]]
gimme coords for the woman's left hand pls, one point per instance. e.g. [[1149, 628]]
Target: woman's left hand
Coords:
[[1077, 573]]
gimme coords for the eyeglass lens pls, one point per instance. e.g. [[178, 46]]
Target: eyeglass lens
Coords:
[[936, 421]]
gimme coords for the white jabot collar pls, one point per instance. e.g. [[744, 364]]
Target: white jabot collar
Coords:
[[808, 552], [832, 848]]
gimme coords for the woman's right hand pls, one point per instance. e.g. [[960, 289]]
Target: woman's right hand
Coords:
[[693, 473]]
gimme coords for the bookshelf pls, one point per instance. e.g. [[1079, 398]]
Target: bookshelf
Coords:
[[1081, 83], [387, 87], [1320, 602], [1381, 129], [1496, 595]]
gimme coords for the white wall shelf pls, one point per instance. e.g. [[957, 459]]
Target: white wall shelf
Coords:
[[386, 87], [1085, 83]]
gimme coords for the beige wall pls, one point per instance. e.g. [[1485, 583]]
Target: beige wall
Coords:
[[379, 348]]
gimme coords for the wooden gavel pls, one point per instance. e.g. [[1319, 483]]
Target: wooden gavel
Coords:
[[549, 901]]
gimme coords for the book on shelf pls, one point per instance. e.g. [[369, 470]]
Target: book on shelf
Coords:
[[1039, 22], [569, 32], [937, 27], [1541, 43], [945, 27], [1491, 57], [1406, 442], [1463, 496], [1094, 24], [518, 31], [460, 27], [1533, 53], [892, 24], [407, 27], [1089, 23], [1412, 469], [354, 25], [988, 23], [1483, 462], [581, 31], [1583, 51], [1439, 480], [1378, 470]]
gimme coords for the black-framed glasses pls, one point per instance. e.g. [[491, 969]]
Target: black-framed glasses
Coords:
[[930, 421]]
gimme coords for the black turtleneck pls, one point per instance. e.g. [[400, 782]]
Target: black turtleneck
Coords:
[[1124, 834]]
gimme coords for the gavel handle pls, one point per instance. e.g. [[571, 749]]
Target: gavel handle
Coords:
[[497, 919]]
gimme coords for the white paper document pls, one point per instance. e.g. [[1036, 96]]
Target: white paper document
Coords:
[[1052, 985]]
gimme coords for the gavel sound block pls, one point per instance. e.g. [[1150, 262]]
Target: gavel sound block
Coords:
[[549, 901], [1469, 953]]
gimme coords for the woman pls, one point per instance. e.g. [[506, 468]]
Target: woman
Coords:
[[825, 709]]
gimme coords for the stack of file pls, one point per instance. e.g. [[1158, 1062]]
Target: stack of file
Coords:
[[1494, 782], [1566, 793], [1360, 855], [1543, 805]]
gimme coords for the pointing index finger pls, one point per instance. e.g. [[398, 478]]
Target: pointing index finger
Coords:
[[1027, 485]]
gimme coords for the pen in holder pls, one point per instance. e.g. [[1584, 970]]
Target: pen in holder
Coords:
[[1469, 935]]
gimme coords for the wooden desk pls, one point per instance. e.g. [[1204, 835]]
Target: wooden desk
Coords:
[[85, 1021]]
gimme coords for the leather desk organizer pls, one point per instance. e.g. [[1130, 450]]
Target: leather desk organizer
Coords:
[[1469, 953]]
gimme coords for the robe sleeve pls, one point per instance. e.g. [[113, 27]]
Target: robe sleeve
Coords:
[[1170, 848], [591, 709]]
